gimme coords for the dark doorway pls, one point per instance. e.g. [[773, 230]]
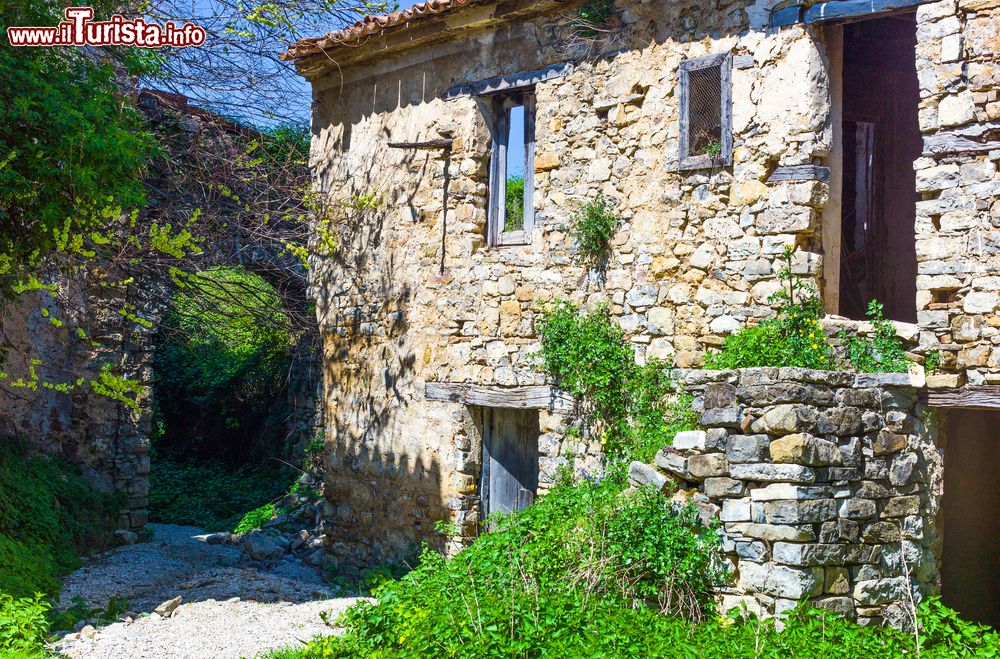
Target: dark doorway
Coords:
[[510, 459], [881, 140], [970, 569]]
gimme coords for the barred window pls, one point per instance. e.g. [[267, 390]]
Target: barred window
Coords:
[[706, 135]]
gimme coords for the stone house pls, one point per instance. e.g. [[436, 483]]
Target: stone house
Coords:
[[865, 133]]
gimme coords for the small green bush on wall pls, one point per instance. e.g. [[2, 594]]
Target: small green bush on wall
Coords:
[[593, 227]]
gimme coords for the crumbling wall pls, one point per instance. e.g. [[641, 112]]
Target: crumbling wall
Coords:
[[958, 235], [827, 486]]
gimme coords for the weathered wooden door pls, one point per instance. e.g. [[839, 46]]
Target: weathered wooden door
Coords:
[[510, 459]]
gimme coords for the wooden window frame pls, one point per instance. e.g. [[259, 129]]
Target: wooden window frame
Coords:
[[704, 161], [501, 104]]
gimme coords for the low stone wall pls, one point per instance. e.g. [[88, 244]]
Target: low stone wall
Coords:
[[826, 484]]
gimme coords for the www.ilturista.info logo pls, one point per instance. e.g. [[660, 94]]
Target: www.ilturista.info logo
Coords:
[[79, 30]]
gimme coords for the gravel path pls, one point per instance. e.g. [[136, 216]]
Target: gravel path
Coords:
[[226, 611]]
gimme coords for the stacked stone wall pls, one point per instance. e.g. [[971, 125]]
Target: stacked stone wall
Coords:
[[958, 214], [826, 485]]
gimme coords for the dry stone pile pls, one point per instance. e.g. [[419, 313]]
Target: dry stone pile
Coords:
[[825, 485]]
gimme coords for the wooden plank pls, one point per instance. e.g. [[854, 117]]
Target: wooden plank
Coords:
[[431, 144], [983, 397], [832, 233], [535, 397], [845, 9], [509, 83], [785, 17], [982, 138], [800, 173]]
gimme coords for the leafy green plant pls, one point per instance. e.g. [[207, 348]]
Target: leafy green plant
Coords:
[[593, 227], [24, 626], [932, 362], [209, 495], [883, 352], [78, 610], [255, 519], [794, 337], [592, 16], [514, 204], [586, 354], [48, 516]]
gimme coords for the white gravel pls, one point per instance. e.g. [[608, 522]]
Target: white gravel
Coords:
[[226, 611]]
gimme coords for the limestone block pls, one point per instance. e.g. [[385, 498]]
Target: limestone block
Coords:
[[777, 491], [880, 591], [747, 448], [808, 554], [706, 466], [735, 510], [804, 449], [937, 178], [670, 460], [690, 439], [719, 395], [723, 417], [881, 533], [857, 509], [780, 580], [785, 219], [888, 442], [800, 512], [978, 302], [786, 419], [902, 469], [755, 551], [837, 581], [772, 473], [840, 421], [721, 486], [956, 110], [901, 506], [642, 475], [843, 606], [773, 532], [642, 296]]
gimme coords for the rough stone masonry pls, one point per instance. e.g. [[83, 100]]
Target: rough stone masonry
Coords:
[[826, 485], [416, 294]]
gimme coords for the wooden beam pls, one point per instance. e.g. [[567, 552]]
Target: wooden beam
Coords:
[[983, 397], [981, 138], [800, 173], [430, 144], [839, 10], [538, 397], [510, 83]]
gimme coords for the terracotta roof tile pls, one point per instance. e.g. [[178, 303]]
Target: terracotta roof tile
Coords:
[[372, 25]]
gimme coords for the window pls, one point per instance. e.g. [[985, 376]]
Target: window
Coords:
[[511, 213], [706, 134]]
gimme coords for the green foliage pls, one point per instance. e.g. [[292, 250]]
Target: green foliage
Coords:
[[586, 354], [24, 627], [210, 496], [558, 626], [593, 227], [883, 352], [586, 551], [48, 516], [932, 362], [514, 204], [793, 337], [255, 519], [592, 16], [69, 147], [222, 358], [79, 610]]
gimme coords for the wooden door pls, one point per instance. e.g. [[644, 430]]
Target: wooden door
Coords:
[[510, 460]]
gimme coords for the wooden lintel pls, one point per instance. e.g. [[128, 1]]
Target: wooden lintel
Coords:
[[982, 397], [538, 397], [430, 144], [510, 83], [800, 173], [981, 138], [838, 10]]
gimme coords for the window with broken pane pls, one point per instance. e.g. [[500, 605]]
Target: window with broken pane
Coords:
[[706, 127]]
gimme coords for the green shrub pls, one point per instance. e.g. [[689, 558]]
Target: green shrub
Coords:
[[593, 227], [24, 626], [556, 625], [794, 337], [48, 517], [255, 519], [209, 495], [883, 352], [586, 354], [514, 204], [534, 580]]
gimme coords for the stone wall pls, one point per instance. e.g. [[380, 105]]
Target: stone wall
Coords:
[[413, 294], [827, 486], [106, 439], [958, 231]]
